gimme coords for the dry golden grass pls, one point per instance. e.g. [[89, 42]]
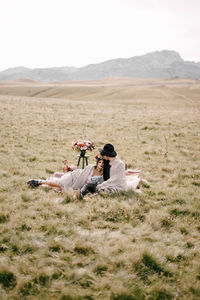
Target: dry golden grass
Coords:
[[124, 246]]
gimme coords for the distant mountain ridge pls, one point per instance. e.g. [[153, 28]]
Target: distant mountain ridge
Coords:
[[158, 64]]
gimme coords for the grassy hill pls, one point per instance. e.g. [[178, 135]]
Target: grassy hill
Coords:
[[121, 246]]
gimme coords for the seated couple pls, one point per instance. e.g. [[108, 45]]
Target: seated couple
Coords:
[[108, 175]]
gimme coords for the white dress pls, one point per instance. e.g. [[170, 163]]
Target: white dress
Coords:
[[76, 179]]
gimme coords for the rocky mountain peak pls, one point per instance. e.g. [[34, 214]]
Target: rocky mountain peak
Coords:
[[157, 64]]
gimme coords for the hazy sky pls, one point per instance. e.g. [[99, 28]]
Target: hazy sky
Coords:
[[49, 33]]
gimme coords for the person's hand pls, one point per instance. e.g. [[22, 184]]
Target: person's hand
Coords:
[[98, 188]]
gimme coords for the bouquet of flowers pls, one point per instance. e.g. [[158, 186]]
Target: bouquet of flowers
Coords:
[[67, 168], [81, 145]]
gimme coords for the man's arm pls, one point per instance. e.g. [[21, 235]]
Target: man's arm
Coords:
[[116, 174]]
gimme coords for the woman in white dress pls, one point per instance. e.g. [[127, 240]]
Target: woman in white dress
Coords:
[[79, 180]]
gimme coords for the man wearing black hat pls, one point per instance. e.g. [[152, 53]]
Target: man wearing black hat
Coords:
[[117, 180]]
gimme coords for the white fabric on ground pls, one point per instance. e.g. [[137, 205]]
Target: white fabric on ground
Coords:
[[77, 178]]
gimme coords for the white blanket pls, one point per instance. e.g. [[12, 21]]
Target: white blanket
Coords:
[[132, 179]]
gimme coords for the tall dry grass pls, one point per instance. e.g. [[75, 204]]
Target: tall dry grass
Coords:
[[123, 246]]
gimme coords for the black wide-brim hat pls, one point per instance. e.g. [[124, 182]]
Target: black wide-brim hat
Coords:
[[108, 150]]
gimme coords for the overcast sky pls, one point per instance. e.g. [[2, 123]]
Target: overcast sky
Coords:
[[50, 33]]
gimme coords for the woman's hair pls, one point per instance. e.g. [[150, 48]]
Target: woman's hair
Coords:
[[106, 167], [98, 158]]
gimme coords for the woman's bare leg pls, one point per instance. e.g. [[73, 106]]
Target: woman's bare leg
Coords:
[[51, 184]]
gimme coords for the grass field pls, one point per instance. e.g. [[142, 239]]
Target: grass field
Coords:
[[123, 246]]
